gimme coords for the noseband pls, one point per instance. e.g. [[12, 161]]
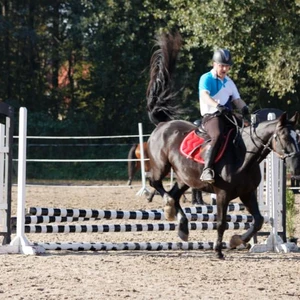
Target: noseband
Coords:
[[275, 140]]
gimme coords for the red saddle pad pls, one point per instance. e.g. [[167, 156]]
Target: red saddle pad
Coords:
[[193, 147]]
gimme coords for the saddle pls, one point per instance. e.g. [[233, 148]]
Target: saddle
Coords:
[[194, 145]]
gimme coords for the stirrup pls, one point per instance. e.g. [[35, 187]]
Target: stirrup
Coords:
[[208, 175]]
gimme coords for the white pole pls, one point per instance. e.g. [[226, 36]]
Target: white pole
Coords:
[[273, 186], [24, 246], [21, 171], [143, 173], [142, 155], [274, 197], [3, 177]]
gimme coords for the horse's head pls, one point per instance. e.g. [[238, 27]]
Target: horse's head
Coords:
[[285, 143]]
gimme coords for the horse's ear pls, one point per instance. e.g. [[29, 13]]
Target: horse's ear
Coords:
[[295, 118], [282, 119]]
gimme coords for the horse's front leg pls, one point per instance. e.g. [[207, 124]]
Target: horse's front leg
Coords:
[[132, 169], [222, 205], [250, 201]]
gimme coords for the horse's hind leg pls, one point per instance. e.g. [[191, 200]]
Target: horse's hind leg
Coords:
[[250, 201], [132, 165], [151, 196], [197, 197], [176, 192], [172, 206]]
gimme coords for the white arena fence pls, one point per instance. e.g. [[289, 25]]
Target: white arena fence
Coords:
[[142, 160], [270, 197]]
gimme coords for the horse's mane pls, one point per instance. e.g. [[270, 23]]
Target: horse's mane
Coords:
[[160, 97]]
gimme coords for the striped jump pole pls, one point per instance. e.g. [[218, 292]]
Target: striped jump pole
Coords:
[[136, 216], [129, 227], [150, 246], [51, 219], [115, 214]]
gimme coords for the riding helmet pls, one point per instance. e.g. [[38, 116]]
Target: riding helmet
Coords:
[[222, 56]]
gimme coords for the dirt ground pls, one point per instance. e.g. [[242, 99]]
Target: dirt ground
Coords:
[[195, 274]]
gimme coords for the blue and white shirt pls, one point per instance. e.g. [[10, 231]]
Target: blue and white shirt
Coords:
[[224, 91]]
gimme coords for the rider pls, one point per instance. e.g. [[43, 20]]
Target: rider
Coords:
[[217, 92]]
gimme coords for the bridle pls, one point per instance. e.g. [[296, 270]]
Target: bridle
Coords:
[[271, 145], [275, 140]]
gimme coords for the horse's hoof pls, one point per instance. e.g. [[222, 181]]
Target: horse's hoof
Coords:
[[170, 212], [183, 236], [169, 209], [220, 256], [235, 241], [183, 229]]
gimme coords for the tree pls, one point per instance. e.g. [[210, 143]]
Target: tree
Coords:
[[86, 62], [263, 36]]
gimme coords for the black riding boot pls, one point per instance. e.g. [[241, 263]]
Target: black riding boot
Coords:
[[208, 173]]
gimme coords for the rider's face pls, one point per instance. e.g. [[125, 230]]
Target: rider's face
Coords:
[[221, 70]]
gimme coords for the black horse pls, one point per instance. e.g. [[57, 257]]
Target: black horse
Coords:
[[237, 173], [134, 166]]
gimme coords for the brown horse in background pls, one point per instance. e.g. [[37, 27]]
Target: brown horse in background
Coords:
[[134, 166]]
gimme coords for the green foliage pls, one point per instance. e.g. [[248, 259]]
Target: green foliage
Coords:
[[291, 212], [112, 42], [262, 35], [81, 67]]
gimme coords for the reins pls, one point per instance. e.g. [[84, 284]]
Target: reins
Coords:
[[239, 129]]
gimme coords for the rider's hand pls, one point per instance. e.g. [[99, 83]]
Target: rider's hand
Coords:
[[223, 109], [245, 111]]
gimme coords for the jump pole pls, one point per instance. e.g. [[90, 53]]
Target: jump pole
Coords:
[[149, 246], [121, 214], [130, 227]]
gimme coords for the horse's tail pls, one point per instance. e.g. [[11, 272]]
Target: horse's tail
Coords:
[[131, 164], [160, 97]]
